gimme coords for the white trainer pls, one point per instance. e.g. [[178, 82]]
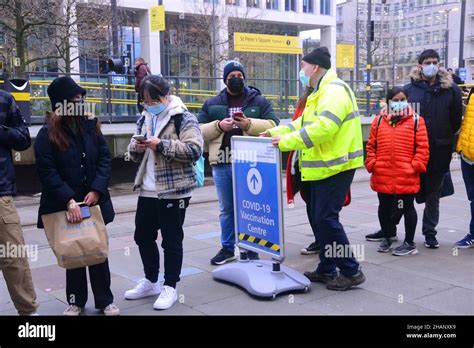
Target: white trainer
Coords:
[[166, 299], [72, 311], [111, 310], [144, 288]]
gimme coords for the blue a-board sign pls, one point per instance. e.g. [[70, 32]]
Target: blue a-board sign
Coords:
[[256, 173], [463, 74], [118, 80]]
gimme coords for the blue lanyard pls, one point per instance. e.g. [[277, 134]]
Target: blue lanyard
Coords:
[[154, 122]]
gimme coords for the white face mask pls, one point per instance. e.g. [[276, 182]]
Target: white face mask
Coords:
[[430, 70]]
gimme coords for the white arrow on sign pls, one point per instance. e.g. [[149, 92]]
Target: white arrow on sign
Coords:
[[254, 181]]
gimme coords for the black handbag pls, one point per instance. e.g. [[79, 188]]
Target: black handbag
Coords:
[[446, 190]]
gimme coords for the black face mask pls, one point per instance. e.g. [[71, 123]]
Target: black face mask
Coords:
[[236, 85]]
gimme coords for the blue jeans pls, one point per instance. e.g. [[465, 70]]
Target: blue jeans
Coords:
[[327, 198], [468, 176], [222, 174]]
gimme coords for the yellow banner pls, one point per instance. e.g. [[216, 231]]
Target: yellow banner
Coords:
[[246, 42], [157, 18], [345, 56]]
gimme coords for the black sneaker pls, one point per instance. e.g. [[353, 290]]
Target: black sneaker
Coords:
[[223, 256], [320, 277], [385, 246], [342, 283], [405, 249], [252, 255], [313, 248], [431, 242], [378, 236]]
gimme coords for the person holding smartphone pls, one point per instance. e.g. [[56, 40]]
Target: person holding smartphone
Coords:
[[74, 165], [237, 110], [167, 143]]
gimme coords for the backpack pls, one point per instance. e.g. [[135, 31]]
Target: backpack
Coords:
[[199, 164], [379, 120]]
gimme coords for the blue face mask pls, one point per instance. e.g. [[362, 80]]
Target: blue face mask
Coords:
[[155, 109], [304, 79], [397, 106]]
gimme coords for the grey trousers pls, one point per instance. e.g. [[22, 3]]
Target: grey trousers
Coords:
[[433, 187]]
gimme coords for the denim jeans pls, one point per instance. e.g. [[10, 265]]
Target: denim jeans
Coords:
[[468, 176], [222, 174]]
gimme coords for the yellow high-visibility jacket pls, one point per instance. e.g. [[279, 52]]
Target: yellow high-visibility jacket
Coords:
[[329, 134], [466, 137]]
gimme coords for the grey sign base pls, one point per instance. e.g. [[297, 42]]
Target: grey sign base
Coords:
[[259, 279]]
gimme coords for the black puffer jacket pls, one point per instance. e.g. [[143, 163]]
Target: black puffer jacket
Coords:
[[441, 106], [13, 135]]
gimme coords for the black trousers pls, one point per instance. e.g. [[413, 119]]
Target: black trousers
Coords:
[[399, 205], [305, 189], [167, 215], [76, 285]]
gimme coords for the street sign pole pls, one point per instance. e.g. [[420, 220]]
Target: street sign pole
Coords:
[[258, 216]]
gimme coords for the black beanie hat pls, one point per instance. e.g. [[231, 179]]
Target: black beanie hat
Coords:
[[233, 65], [319, 56], [62, 89]]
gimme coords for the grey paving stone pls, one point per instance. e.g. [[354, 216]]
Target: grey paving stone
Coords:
[[246, 305], [455, 300], [363, 302]]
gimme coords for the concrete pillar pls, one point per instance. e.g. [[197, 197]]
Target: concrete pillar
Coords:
[[328, 39], [150, 43]]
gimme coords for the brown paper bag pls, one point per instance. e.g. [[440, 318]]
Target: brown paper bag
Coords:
[[77, 244]]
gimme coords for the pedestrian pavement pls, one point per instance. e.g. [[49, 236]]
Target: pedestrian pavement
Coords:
[[433, 282]]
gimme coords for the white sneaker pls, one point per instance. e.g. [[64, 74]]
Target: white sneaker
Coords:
[[144, 288], [111, 310], [166, 299], [73, 311]]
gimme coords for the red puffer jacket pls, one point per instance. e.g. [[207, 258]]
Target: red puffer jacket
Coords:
[[392, 157]]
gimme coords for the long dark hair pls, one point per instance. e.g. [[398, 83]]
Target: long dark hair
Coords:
[[57, 128], [304, 97]]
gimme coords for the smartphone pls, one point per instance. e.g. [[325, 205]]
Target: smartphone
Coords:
[[85, 212], [238, 115], [139, 137]]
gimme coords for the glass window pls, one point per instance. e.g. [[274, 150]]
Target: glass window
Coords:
[[325, 7], [428, 20], [273, 4], [419, 21], [308, 6], [253, 3], [290, 5], [419, 39], [403, 42], [232, 2], [427, 38]]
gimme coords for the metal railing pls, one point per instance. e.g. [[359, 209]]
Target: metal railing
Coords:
[[115, 98]]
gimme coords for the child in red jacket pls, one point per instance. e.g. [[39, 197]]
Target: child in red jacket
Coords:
[[397, 152]]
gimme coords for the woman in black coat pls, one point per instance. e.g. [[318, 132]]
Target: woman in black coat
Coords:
[[74, 165]]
